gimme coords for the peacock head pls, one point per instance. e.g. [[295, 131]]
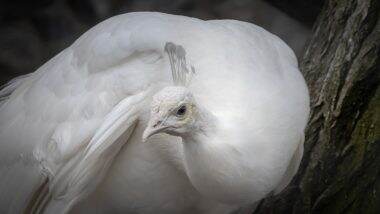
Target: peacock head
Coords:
[[173, 108], [173, 111]]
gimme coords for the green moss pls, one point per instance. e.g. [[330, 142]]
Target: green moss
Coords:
[[356, 188]]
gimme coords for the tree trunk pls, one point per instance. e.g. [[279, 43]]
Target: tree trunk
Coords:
[[340, 170]]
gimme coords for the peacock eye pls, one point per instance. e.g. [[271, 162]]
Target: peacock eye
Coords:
[[181, 111]]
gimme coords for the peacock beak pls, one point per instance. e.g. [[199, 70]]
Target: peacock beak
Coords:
[[154, 126]]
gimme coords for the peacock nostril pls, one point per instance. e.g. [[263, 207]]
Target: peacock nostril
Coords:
[[157, 123]]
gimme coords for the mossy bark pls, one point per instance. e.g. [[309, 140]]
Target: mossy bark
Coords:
[[340, 171]]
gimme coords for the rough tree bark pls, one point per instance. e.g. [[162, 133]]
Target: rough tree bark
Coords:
[[340, 171]]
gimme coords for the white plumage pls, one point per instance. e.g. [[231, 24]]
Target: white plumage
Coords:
[[71, 132]]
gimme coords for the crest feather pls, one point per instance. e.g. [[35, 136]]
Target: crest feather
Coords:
[[180, 72]]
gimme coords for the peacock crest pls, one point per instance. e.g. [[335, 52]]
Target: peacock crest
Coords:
[[181, 73]]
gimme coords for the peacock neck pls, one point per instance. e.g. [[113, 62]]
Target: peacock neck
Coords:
[[211, 163]]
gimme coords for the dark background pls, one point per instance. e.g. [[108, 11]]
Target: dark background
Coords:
[[33, 31]]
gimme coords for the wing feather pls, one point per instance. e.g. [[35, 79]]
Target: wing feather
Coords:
[[69, 115], [79, 177]]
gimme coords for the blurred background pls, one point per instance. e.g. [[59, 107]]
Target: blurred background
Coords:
[[32, 32]]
